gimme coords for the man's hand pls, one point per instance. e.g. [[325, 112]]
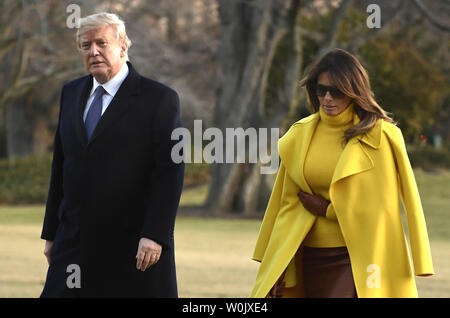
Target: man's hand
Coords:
[[47, 250], [148, 254], [316, 204]]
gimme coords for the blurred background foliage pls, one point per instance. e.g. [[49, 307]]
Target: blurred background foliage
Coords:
[[183, 43]]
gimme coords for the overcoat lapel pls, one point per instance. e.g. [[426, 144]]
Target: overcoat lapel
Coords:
[[293, 149], [125, 98], [122, 101], [354, 158], [80, 103]]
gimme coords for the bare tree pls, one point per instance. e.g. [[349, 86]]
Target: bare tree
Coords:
[[430, 16], [251, 31], [31, 60]]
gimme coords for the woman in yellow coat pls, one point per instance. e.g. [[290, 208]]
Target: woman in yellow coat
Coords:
[[332, 227]]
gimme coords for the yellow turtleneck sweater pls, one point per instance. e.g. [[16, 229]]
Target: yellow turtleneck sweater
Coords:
[[321, 160]]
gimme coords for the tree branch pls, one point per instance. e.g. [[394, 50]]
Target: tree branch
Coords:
[[360, 40], [424, 10], [330, 36]]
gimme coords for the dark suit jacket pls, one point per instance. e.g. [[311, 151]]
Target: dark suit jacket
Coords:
[[118, 187]]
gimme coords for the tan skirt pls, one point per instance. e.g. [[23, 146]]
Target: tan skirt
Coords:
[[327, 273]]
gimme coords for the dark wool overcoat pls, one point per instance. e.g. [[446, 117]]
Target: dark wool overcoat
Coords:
[[119, 186]]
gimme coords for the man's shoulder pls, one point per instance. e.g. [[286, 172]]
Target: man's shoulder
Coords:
[[161, 95], [76, 83], [152, 86]]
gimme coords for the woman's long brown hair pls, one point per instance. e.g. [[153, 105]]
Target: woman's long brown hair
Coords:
[[350, 77]]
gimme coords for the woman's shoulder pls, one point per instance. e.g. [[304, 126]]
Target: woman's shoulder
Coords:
[[390, 128], [299, 127], [307, 119]]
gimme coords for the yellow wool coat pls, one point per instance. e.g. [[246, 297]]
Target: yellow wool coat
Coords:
[[372, 174]]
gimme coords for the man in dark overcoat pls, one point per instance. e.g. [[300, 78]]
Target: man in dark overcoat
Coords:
[[114, 189]]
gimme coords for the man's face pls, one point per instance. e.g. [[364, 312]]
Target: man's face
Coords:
[[103, 54]]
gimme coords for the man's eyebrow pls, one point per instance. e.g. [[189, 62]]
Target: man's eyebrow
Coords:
[[95, 40]]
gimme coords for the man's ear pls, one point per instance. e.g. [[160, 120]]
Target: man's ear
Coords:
[[123, 50]]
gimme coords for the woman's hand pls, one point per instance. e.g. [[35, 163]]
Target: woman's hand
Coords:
[[277, 290], [316, 204]]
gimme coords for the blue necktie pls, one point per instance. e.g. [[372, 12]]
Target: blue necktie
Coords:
[[95, 111]]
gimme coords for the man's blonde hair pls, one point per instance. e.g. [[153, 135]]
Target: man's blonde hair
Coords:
[[103, 19]]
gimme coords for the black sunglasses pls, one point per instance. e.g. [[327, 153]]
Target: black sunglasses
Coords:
[[321, 90]]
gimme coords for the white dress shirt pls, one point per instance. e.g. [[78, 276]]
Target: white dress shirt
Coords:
[[111, 87]]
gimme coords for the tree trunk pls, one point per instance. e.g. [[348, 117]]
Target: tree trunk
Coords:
[[251, 33], [19, 141], [27, 127], [258, 186]]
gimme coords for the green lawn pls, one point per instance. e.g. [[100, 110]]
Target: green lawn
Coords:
[[212, 255]]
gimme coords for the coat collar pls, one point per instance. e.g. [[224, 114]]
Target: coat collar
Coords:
[[293, 147], [113, 85], [373, 137], [121, 102]]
